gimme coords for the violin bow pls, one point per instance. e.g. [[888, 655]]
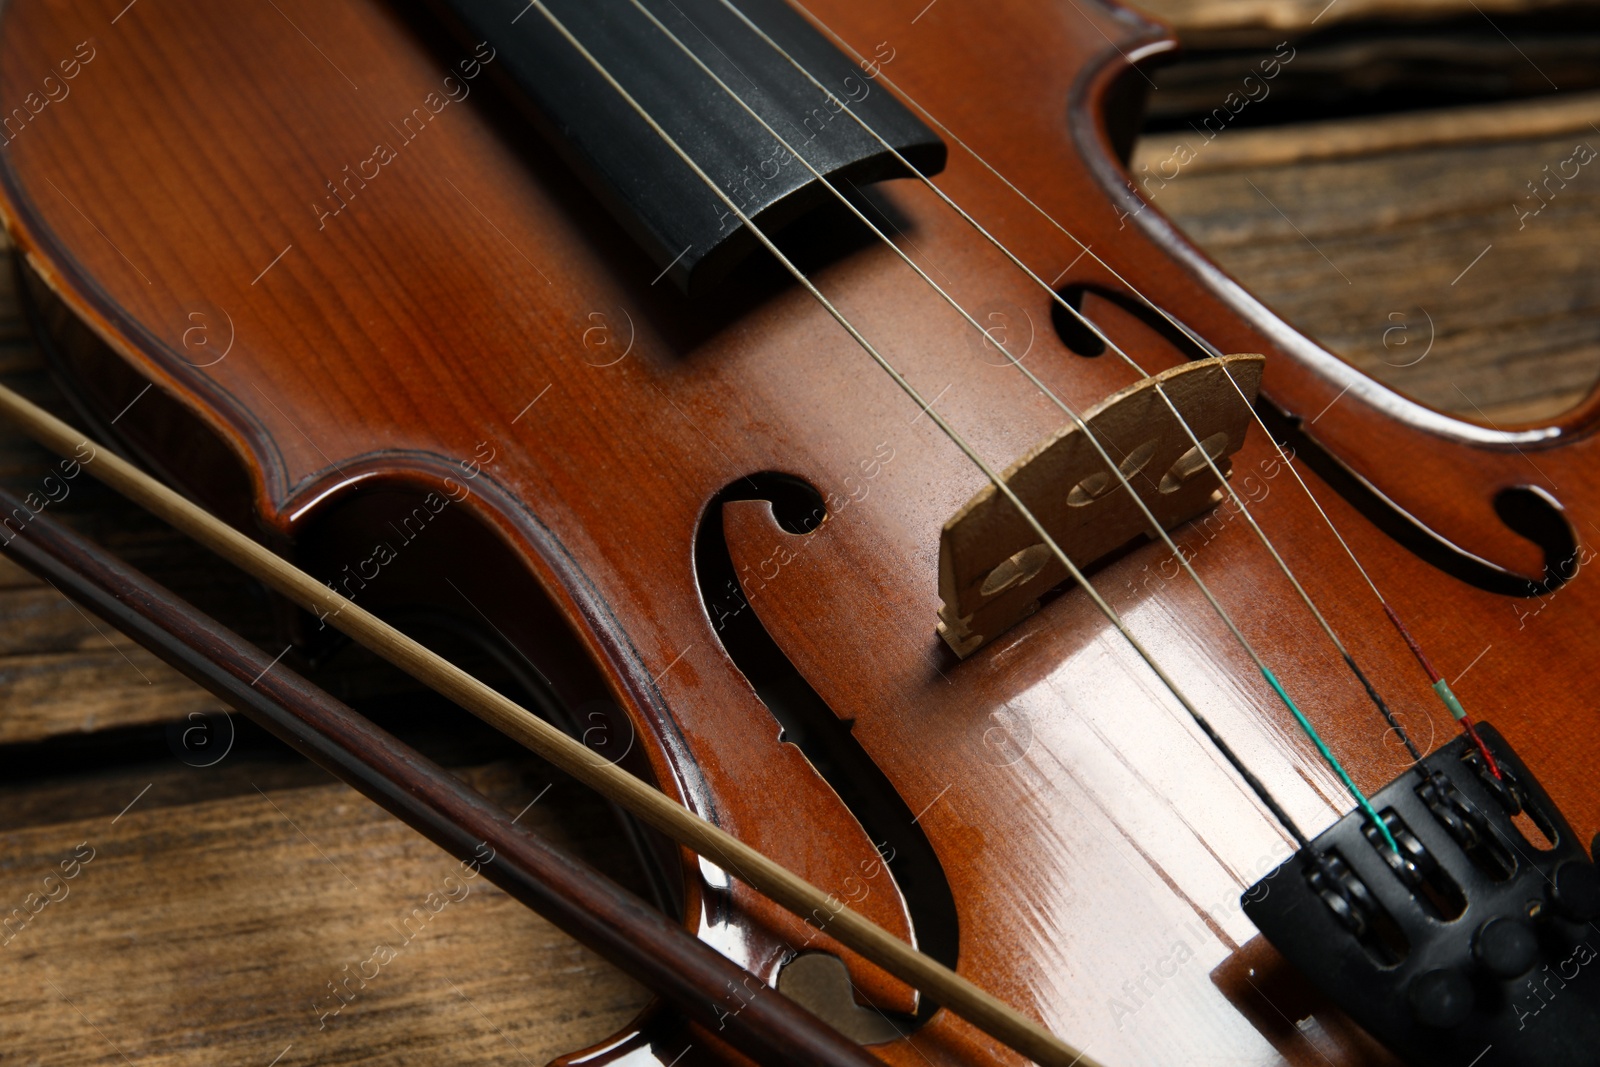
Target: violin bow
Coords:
[[944, 986], [594, 909]]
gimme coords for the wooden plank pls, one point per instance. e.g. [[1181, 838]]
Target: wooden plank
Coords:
[[45, 695], [1241, 23], [172, 945], [1413, 264], [1377, 135]]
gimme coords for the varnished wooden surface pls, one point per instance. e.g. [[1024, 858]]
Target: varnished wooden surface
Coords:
[[124, 912]]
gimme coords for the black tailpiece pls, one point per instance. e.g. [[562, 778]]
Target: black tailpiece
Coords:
[[1473, 946]]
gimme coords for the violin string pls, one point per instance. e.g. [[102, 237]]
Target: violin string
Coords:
[[1440, 687], [1256, 786], [1267, 674]]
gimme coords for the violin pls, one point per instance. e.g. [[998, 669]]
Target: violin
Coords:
[[802, 400]]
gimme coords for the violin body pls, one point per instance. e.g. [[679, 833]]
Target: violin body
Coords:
[[452, 384]]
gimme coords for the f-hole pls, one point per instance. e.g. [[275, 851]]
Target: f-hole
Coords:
[[1535, 514], [1527, 511], [810, 725], [1152, 339]]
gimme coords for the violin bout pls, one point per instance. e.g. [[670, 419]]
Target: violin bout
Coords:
[[992, 565]]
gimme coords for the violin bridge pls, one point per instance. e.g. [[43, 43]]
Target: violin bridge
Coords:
[[992, 565]]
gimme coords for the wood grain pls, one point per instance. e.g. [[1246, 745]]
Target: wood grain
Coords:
[[1363, 234], [174, 945], [1236, 23]]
